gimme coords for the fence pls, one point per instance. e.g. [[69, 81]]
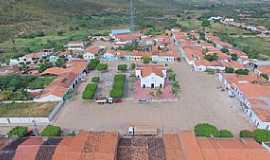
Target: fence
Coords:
[[32, 120]]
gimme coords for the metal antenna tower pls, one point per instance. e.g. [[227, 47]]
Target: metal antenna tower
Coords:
[[170, 4], [132, 14]]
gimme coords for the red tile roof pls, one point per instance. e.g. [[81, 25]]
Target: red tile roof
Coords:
[[88, 146], [264, 69], [185, 146], [28, 149], [147, 70], [128, 36]]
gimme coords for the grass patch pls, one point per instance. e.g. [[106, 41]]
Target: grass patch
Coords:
[[41, 82], [26, 109]]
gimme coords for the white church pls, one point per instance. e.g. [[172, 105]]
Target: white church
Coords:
[[151, 76]]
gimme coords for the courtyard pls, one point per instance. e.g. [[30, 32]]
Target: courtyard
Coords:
[[199, 101]]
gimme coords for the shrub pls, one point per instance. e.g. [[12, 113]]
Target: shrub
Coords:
[[132, 66], [95, 79], [262, 135], [171, 76], [205, 130], [224, 134], [51, 131], [265, 76], [242, 71], [102, 67], [234, 57], [211, 57], [93, 64], [224, 50], [229, 70], [246, 134], [146, 59], [89, 91], [122, 67], [118, 86], [17, 132]]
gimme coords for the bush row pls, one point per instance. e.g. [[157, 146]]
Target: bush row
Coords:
[[209, 130], [118, 86], [49, 131], [89, 91]]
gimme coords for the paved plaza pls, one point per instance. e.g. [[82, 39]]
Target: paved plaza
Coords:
[[200, 100]]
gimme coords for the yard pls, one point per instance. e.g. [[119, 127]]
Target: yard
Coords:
[[26, 109]]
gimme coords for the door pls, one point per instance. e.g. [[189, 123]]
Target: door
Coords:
[[152, 85]]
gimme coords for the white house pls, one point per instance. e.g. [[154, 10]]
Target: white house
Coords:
[[151, 76], [91, 52], [75, 46]]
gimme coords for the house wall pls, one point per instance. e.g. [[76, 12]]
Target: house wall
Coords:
[[152, 79], [88, 56], [163, 59]]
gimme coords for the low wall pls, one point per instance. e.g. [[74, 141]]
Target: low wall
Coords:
[[32, 120]]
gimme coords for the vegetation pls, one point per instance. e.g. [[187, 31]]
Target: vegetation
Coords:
[[129, 47], [92, 65], [242, 71], [209, 130], [211, 57], [247, 134], [146, 59], [122, 67], [89, 91], [224, 50], [17, 132], [205, 130], [132, 66], [224, 134], [51, 131], [102, 67], [229, 70], [118, 86], [13, 86], [265, 76], [234, 57], [260, 135], [95, 79], [175, 87], [26, 109]]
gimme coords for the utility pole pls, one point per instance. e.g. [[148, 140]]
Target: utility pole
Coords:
[[132, 14]]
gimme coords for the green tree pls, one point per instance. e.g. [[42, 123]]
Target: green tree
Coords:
[[262, 135], [234, 57], [146, 59], [51, 131], [60, 62], [205, 23], [17, 132], [93, 64], [229, 70], [122, 67], [102, 67], [246, 134], [224, 134], [242, 71], [205, 130]]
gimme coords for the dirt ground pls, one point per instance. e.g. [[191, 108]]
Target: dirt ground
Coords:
[[199, 101]]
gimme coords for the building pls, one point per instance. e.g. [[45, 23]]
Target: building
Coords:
[[263, 70], [75, 46], [110, 146], [253, 94], [151, 76], [91, 52], [66, 80]]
